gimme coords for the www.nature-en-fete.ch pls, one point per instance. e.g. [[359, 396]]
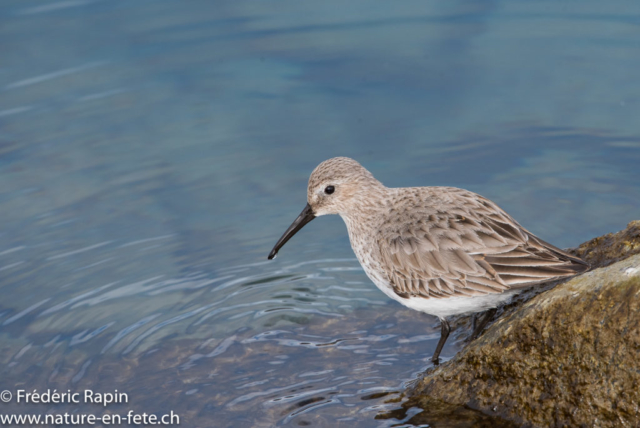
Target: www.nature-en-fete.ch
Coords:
[[87, 397]]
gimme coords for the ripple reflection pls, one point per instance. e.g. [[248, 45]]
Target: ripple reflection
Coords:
[[312, 337]]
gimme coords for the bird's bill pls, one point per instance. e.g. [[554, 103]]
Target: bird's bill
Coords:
[[305, 217]]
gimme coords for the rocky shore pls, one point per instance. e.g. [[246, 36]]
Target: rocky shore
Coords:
[[569, 356]]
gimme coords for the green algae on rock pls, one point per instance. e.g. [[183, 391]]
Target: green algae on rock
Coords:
[[568, 357]]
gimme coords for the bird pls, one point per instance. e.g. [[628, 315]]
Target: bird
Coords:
[[443, 251]]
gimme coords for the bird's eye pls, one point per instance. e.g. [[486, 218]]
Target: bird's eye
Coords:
[[329, 190]]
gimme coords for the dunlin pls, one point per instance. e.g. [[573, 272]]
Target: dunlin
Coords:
[[440, 250]]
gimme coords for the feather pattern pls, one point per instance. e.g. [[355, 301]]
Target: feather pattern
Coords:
[[444, 241]]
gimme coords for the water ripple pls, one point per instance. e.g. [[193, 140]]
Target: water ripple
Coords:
[[295, 321], [54, 75]]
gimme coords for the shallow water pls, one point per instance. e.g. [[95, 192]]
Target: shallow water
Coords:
[[152, 152]]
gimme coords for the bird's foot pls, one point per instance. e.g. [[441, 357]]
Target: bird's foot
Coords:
[[480, 326]]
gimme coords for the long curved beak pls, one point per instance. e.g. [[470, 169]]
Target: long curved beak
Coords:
[[305, 217]]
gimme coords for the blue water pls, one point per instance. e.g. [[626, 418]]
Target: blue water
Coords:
[[152, 152]]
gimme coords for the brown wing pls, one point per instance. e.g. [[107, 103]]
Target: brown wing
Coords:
[[459, 243]]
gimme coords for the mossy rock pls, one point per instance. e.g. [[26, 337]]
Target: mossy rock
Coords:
[[608, 249], [568, 357]]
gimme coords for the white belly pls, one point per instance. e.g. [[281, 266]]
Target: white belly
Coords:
[[449, 306], [443, 307]]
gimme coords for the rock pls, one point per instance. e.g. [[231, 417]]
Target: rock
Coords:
[[568, 357], [607, 249]]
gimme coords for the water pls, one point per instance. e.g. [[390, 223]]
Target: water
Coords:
[[152, 152]]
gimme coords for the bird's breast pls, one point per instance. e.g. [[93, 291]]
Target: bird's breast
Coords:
[[365, 248]]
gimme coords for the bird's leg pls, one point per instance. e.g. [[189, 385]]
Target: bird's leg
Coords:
[[444, 334], [483, 323]]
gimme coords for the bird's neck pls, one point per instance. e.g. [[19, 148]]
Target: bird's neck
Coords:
[[364, 209]]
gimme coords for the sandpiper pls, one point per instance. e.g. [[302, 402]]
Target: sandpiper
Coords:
[[440, 250]]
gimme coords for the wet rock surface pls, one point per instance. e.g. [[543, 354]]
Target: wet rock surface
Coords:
[[568, 357]]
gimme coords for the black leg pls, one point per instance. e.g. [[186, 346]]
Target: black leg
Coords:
[[444, 334], [483, 323]]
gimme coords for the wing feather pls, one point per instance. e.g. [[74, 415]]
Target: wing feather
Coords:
[[441, 242]]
